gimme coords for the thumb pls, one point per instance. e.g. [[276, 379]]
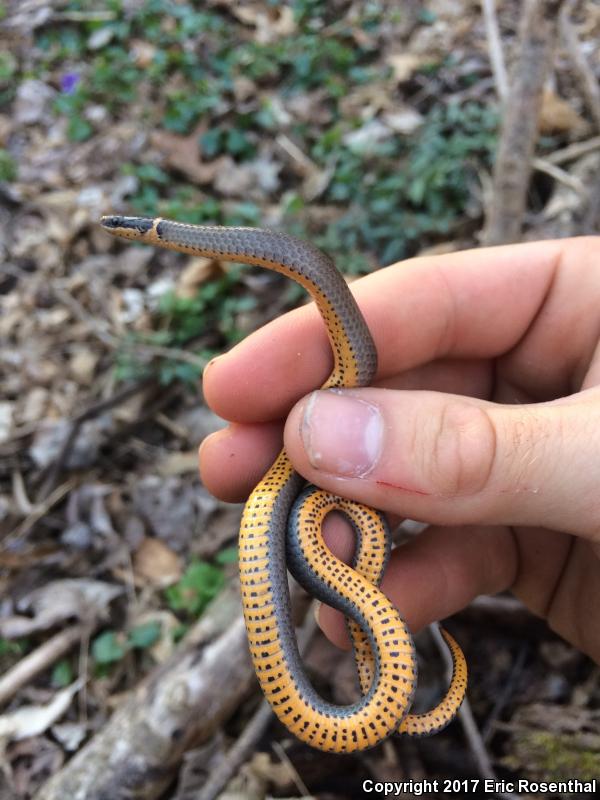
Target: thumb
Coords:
[[451, 460]]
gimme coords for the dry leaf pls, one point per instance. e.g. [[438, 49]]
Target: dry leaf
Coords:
[[365, 139], [404, 65], [33, 720], [82, 364], [183, 153], [35, 405], [52, 434], [6, 419], [156, 563], [143, 52], [70, 734], [404, 121], [167, 641], [243, 88], [558, 115], [56, 601], [270, 25], [198, 271], [179, 463]]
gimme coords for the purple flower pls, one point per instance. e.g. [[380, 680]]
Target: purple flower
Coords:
[[68, 82]]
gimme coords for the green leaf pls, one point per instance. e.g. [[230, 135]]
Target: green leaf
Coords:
[[79, 129], [229, 555], [200, 583], [211, 142], [62, 674], [8, 166], [8, 66], [8, 647], [179, 632], [108, 647], [144, 636]]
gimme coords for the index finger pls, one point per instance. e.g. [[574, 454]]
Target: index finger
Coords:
[[471, 304]]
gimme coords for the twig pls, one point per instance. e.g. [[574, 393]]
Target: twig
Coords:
[[102, 332], [39, 660], [179, 705], [574, 151], [506, 691], [99, 328], [560, 175], [589, 224], [84, 16], [499, 604], [20, 433], [520, 123], [263, 716], [238, 754], [306, 165], [22, 501], [173, 353], [495, 47], [87, 414], [587, 79], [41, 508], [300, 785], [471, 731]]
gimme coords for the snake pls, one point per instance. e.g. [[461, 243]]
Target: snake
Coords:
[[281, 528]]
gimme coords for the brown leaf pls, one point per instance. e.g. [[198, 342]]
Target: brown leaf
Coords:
[[142, 51], [404, 65], [183, 153], [179, 463], [35, 719], [82, 364], [198, 271], [155, 563], [558, 115], [56, 601]]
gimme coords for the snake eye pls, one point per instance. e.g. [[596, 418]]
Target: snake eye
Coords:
[[111, 222]]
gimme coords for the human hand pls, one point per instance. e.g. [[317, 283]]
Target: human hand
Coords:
[[484, 421]]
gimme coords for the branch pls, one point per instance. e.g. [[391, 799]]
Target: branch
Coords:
[[180, 705], [513, 165], [495, 47], [583, 71]]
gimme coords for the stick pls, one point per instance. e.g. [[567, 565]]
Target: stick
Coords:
[[180, 705], [513, 165], [89, 413], [40, 510], [495, 47], [574, 151], [465, 715], [39, 660], [583, 71], [263, 716]]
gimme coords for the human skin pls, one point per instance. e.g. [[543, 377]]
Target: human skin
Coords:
[[483, 421]]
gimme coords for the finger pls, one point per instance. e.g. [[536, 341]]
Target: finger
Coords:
[[453, 460], [422, 310], [233, 460], [471, 377], [436, 574]]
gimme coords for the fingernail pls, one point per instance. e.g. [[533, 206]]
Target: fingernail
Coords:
[[341, 434]]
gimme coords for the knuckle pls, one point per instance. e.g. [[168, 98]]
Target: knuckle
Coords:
[[463, 449], [528, 436]]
